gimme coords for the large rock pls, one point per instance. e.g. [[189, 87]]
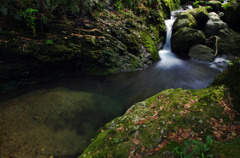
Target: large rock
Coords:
[[202, 52], [216, 5], [229, 43], [184, 38], [198, 4], [184, 20], [200, 14], [232, 15], [157, 126], [214, 24]]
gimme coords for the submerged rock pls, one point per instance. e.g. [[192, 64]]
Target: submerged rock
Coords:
[[184, 38], [184, 20], [214, 24], [202, 52]]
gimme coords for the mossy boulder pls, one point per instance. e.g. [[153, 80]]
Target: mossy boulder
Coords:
[[200, 14], [198, 4], [201, 52], [214, 24], [216, 5], [184, 20], [156, 126], [232, 14], [184, 38], [209, 9], [229, 43], [231, 78]]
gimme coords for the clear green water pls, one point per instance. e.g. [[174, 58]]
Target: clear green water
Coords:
[[59, 118]]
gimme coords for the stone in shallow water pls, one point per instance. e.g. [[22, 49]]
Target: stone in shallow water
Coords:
[[184, 38], [201, 52]]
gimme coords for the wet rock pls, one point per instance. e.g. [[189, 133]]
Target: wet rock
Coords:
[[202, 52], [214, 24], [184, 20], [216, 5], [184, 38], [198, 4], [200, 14], [229, 43], [232, 15], [209, 8]]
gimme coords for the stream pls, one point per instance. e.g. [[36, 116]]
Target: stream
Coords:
[[59, 118]]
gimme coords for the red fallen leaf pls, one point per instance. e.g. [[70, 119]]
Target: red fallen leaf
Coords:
[[153, 105], [217, 134], [161, 108], [136, 141], [120, 128], [131, 152], [140, 122], [186, 134]]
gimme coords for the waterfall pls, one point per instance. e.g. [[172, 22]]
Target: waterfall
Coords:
[[168, 24]]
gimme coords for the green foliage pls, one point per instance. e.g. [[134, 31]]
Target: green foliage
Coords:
[[49, 42], [118, 5], [193, 148], [30, 16]]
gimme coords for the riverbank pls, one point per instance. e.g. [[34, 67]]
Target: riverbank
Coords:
[[115, 37]]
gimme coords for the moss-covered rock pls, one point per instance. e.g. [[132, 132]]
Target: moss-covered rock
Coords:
[[184, 38], [158, 125], [231, 78], [232, 14], [198, 4], [209, 8], [184, 20], [229, 43], [107, 41], [201, 52], [200, 14], [216, 5], [155, 126]]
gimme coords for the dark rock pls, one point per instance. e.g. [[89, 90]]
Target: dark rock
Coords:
[[229, 43], [216, 5], [214, 24], [184, 20], [232, 15], [201, 52], [184, 38], [200, 14], [209, 8], [198, 4]]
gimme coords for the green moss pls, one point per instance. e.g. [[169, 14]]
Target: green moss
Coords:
[[147, 124], [172, 4], [231, 78], [149, 44], [227, 149]]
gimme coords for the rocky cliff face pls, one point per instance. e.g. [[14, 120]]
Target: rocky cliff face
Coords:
[[114, 39]]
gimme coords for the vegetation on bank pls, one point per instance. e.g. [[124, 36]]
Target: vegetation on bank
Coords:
[[94, 37]]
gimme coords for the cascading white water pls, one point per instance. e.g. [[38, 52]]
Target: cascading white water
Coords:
[[169, 24], [169, 59]]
